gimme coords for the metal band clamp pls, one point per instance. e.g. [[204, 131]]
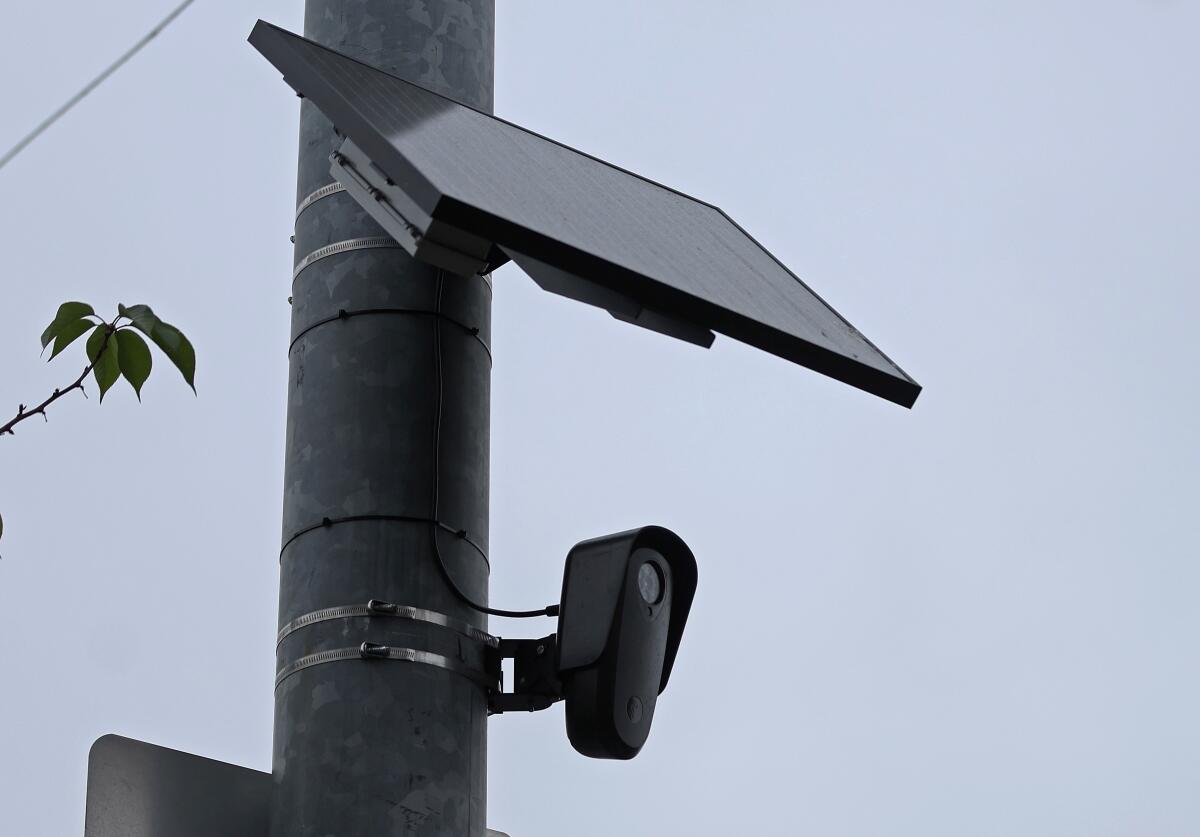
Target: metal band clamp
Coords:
[[371, 651], [374, 242], [324, 192], [387, 609]]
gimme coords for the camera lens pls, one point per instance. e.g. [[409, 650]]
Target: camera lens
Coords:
[[650, 583]]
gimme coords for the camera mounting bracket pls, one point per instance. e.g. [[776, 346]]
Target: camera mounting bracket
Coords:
[[536, 684]]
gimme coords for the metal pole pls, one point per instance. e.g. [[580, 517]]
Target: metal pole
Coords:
[[388, 408]]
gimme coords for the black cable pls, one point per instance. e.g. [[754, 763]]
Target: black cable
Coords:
[[343, 314], [549, 610], [327, 522]]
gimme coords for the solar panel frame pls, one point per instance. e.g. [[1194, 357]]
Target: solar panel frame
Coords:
[[325, 76]]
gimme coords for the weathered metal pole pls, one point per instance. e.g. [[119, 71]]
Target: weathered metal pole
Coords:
[[387, 449]]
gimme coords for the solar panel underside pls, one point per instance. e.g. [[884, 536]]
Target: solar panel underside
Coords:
[[551, 206]]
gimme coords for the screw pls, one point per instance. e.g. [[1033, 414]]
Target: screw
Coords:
[[541, 649]]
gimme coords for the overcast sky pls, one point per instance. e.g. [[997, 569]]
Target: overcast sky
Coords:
[[975, 618]]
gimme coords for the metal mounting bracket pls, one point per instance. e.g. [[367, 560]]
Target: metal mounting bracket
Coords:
[[535, 674], [431, 241]]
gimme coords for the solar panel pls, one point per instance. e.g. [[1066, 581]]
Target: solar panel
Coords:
[[467, 191]]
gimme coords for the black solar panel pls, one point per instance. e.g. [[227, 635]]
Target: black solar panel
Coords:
[[466, 190]]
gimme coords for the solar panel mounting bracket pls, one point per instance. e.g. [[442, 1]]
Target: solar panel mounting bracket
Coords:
[[431, 241], [626, 309]]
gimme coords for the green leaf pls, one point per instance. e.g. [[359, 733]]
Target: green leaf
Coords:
[[103, 355], [68, 312], [168, 338], [68, 334], [134, 358], [177, 348], [142, 317]]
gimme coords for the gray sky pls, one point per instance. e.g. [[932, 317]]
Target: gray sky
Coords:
[[975, 618]]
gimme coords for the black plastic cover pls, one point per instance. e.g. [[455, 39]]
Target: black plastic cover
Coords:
[[683, 262], [592, 584]]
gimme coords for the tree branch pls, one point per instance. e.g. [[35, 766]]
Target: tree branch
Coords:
[[40, 409]]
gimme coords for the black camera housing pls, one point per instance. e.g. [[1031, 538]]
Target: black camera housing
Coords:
[[625, 601]]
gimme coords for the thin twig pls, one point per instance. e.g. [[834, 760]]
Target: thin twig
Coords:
[[40, 409]]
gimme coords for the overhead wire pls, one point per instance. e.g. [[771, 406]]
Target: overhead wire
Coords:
[[94, 83]]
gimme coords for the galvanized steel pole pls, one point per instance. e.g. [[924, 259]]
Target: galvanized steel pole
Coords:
[[388, 407]]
